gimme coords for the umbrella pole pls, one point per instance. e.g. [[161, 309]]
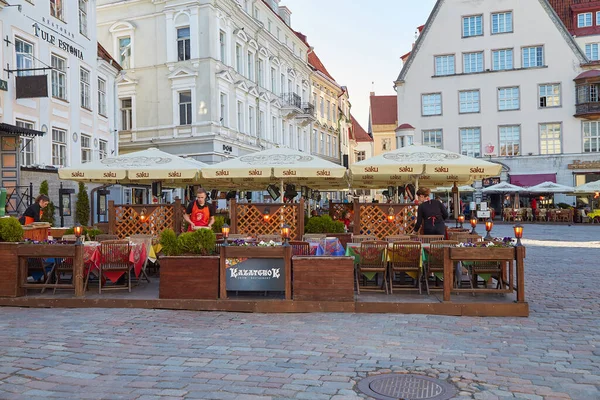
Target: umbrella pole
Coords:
[[416, 186]]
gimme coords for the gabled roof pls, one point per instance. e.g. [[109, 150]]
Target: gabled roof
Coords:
[[436, 9], [564, 9], [360, 135], [315, 62], [384, 110], [105, 55]]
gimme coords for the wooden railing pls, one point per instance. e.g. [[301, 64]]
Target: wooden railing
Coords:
[[249, 218], [124, 219]]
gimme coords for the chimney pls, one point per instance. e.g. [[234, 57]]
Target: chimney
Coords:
[[286, 15], [372, 94]]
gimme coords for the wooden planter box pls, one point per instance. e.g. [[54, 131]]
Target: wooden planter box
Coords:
[[58, 233], [323, 278], [9, 271], [35, 232], [483, 253], [189, 277]]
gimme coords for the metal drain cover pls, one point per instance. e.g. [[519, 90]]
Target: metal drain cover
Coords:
[[406, 387]]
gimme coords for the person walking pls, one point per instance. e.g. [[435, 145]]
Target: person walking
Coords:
[[34, 212], [431, 214]]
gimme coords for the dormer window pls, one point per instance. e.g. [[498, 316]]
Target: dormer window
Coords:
[[584, 20]]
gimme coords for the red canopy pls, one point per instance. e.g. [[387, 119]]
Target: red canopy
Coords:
[[532, 179]]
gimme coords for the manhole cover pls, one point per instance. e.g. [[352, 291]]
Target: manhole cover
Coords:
[[406, 387]]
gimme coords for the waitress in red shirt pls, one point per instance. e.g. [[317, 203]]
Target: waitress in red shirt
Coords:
[[199, 214]]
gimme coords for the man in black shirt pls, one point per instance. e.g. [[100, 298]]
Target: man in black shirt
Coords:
[[431, 214]]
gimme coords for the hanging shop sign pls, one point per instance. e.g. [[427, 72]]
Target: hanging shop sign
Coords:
[[578, 164]]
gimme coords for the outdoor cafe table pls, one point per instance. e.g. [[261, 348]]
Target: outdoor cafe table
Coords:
[[353, 250], [92, 256], [329, 246]]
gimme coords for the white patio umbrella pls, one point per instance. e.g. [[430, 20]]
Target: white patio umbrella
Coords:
[[505, 188], [277, 166], [461, 189], [550, 187], [588, 188], [420, 165], [138, 167]]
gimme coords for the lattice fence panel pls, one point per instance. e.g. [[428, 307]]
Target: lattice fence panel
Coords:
[[373, 220], [250, 220], [338, 210], [128, 221]]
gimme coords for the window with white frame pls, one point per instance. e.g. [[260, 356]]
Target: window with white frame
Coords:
[[250, 65], [125, 52], [261, 124], [470, 142], [59, 77], [472, 26], [550, 138], [598, 18], [502, 22], [328, 109], [328, 148], [508, 99], [251, 121], [83, 11], [322, 107], [86, 148], [510, 140], [315, 141], [289, 139], [102, 149], [549, 95], [473, 62], [360, 155], [256, 13], [27, 144], [591, 136], [56, 9], [185, 108], [222, 46], [24, 52], [274, 129], [126, 114], [322, 143], [432, 138], [386, 144], [584, 20], [274, 80], [239, 60], [184, 51], [84, 88], [59, 147], [101, 97], [502, 59], [431, 104], [533, 56], [444, 65], [468, 101], [283, 137], [261, 72], [240, 117], [223, 109], [591, 51]]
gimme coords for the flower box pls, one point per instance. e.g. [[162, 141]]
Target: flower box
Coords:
[[483, 253], [323, 278]]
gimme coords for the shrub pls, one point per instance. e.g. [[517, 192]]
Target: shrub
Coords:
[[82, 206], [219, 222], [48, 214], [10, 230], [323, 224], [201, 242]]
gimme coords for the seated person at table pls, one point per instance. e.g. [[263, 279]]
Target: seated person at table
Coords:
[[347, 220], [199, 214], [34, 212], [431, 214]]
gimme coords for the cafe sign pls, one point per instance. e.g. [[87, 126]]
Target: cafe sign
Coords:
[[255, 274], [53, 40], [578, 164]]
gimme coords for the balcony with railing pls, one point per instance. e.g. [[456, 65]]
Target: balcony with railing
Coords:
[[587, 87], [296, 108]]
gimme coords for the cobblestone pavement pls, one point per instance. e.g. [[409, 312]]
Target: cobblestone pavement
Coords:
[[160, 354]]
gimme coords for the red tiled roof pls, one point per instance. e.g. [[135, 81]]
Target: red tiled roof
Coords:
[[105, 55], [360, 135], [564, 9], [594, 73], [405, 126], [384, 110], [316, 63]]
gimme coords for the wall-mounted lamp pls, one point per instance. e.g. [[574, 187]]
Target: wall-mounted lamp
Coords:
[[266, 215], [518, 228], [143, 216], [391, 215]]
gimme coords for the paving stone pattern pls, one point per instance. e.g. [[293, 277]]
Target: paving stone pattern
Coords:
[[162, 354]]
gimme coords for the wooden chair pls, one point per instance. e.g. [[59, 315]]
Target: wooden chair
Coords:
[[492, 268], [268, 238], [428, 238], [541, 216], [61, 266], [405, 257], [115, 257], [397, 238], [147, 241], [313, 237], [300, 248], [372, 259], [69, 238], [362, 238], [105, 236], [435, 259]]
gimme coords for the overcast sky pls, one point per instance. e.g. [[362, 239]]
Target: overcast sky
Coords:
[[360, 42]]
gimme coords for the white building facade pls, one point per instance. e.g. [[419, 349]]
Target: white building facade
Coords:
[[481, 82], [56, 41], [208, 79]]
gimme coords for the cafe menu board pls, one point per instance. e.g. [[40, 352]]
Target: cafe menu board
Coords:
[[255, 274]]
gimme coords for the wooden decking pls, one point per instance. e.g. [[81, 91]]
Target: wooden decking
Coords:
[[146, 296]]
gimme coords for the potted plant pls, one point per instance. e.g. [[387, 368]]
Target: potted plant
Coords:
[[325, 224], [189, 266], [11, 232]]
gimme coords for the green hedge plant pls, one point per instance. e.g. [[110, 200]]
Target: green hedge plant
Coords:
[[323, 224], [10, 230], [199, 242]]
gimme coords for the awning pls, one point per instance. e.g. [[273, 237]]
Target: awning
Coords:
[[8, 129], [532, 179]]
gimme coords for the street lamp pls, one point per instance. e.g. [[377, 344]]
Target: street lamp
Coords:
[[489, 224], [461, 220], [473, 225], [518, 228], [78, 230]]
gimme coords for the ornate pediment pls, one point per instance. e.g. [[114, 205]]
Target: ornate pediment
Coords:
[[253, 91], [242, 85], [182, 72], [225, 75]]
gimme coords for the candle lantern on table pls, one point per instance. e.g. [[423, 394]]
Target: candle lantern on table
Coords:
[[473, 225], [225, 232], [518, 233], [285, 234], [489, 224]]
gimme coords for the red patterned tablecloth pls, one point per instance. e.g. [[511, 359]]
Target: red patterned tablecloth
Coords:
[[92, 256]]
